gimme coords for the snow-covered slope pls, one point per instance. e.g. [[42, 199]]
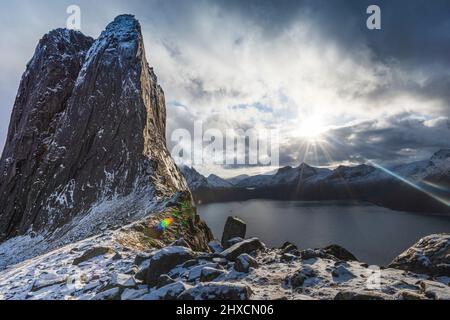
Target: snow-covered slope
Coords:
[[437, 165]]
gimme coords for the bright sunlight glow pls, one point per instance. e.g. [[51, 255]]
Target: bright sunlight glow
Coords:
[[311, 128]]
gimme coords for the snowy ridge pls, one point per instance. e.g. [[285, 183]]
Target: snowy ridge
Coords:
[[305, 174]]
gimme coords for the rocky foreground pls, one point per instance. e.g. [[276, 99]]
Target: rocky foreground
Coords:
[[138, 262]]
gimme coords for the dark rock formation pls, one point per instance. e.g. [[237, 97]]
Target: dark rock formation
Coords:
[[164, 260], [246, 246], [359, 295], [88, 126], [339, 252], [217, 291], [244, 262], [92, 253], [431, 255], [234, 227]]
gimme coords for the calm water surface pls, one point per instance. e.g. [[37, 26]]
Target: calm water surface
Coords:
[[373, 234]]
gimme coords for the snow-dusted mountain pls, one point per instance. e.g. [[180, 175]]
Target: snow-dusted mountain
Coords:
[[217, 182], [197, 181], [237, 179], [391, 187], [86, 147], [437, 166], [193, 178]]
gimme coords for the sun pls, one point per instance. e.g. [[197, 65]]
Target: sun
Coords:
[[311, 128]]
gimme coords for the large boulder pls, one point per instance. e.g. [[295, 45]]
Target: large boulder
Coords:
[[244, 262], [217, 291], [360, 295], [47, 280], [168, 292], [209, 274], [234, 227], [92, 253], [246, 246], [164, 260], [339, 252], [298, 279], [431, 255]]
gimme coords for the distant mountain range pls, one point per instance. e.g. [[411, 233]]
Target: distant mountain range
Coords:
[[422, 186]]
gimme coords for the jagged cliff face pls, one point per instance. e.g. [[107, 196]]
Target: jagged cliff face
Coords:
[[88, 126]]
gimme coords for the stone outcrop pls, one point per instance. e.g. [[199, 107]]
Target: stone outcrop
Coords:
[[234, 228], [87, 128], [431, 255]]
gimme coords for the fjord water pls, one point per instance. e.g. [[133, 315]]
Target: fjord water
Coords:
[[375, 235]]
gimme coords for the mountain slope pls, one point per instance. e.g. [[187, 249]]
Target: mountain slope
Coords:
[[86, 148], [420, 186]]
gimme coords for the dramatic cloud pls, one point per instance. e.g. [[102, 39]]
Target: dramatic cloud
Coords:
[[299, 66]]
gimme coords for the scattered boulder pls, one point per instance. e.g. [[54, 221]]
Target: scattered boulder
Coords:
[[286, 244], [431, 255], [246, 246], [47, 280], [244, 262], [341, 273], [435, 290], [133, 294], [339, 252], [217, 291], [409, 295], [215, 246], [92, 253], [220, 260], [287, 257], [141, 257], [111, 294], [168, 292], [121, 281], [164, 280], [234, 227], [117, 256], [289, 248], [189, 263], [142, 270], [181, 243], [233, 241], [309, 254], [164, 260], [359, 295], [196, 271], [299, 278], [209, 274]]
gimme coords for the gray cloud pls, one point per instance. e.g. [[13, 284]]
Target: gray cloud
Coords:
[[262, 63], [395, 139]]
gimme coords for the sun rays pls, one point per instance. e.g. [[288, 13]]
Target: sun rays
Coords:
[[320, 145]]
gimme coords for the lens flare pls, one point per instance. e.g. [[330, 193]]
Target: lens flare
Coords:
[[164, 224]]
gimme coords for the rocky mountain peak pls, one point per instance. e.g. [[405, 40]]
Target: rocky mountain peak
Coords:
[[442, 154], [306, 170], [87, 131]]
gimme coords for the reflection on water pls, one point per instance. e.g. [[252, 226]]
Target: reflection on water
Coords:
[[373, 234]]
